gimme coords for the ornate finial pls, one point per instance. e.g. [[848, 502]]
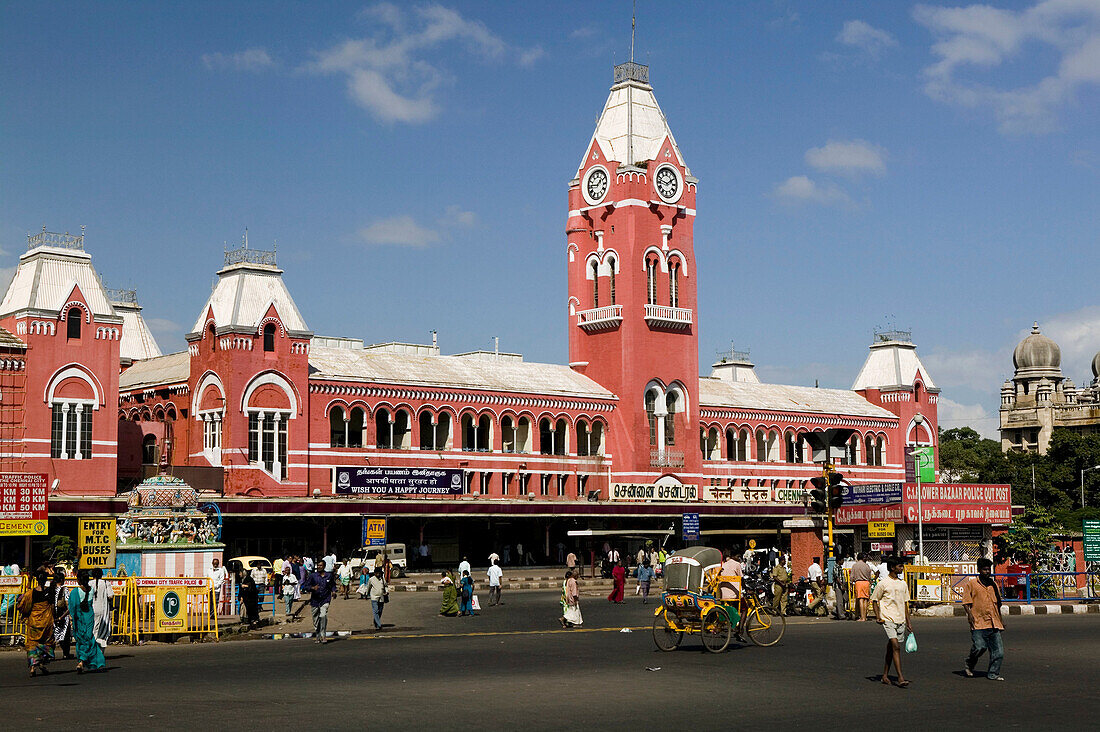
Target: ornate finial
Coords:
[[1035, 327], [244, 238]]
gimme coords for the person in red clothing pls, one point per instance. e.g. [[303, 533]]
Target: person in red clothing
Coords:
[[618, 574]]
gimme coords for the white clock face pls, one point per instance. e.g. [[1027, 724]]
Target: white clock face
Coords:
[[595, 185], [667, 183]]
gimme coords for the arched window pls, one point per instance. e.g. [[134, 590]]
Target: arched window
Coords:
[[355, 427], [546, 437], [383, 429], [507, 435], [210, 333], [794, 447], [582, 438], [148, 449], [611, 277], [269, 338], [515, 434], [773, 446], [595, 284], [671, 400], [523, 435], [761, 446], [595, 439], [710, 451], [674, 284], [435, 436], [561, 441], [651, 415], [402, 430], [651, 279], [338, 436], [72, 320]]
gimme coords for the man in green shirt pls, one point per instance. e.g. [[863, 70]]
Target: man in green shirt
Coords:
[[781, 580]]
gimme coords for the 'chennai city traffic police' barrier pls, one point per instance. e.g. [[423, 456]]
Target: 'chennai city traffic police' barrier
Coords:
[[175, 605], [134, 601]]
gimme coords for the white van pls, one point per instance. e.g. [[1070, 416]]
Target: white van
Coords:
[[367, 555]]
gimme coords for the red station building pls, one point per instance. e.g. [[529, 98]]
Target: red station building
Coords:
[[264, 417]]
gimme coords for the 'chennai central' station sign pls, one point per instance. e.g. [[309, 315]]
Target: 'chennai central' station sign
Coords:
[[652, 492]]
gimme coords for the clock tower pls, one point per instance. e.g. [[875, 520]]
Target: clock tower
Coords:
[[631, 267]]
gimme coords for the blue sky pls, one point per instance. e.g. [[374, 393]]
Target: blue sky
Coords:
[[862, 164]]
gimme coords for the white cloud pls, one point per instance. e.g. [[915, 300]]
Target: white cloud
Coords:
[[389, 73], [951, 414], [1077, 334], [454, 216], [252, 59], [849, 157], [979, 39], [401, 231], [583, 32], [404, 231], [801, 189], [862, 35]]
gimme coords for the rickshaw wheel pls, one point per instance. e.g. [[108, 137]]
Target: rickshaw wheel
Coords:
[[664, 636], [715, 630], [765, 626]]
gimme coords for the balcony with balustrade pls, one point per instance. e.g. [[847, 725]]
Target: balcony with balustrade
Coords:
[[607, 317], [666, 316]]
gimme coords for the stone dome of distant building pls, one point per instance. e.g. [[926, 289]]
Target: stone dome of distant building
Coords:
[[1096, 366], [1037, 352]]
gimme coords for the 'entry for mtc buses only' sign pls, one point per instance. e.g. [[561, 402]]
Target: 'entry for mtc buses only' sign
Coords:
[[96, 542]]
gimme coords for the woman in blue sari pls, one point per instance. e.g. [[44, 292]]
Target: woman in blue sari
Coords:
[[88, 651]]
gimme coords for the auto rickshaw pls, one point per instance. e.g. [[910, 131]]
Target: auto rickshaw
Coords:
[[690, 602]]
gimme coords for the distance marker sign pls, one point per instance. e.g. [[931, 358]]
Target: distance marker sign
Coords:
[[96, 542]]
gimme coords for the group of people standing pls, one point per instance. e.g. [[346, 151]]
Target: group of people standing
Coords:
[[458, 593], [56, 617]]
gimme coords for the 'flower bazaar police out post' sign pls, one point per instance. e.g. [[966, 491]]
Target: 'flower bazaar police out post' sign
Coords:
[[372, 481]]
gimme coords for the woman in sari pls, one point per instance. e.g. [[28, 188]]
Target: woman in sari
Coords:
[[36, 605], [570, 603], [449, 608], [62, 623], [618, 573], [89, 654]]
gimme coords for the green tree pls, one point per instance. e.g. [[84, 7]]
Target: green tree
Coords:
[[1030, 536]]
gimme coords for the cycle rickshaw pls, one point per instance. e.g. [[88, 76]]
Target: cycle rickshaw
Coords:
[[691, 604]]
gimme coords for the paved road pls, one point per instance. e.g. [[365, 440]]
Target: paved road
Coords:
[[511, 668]]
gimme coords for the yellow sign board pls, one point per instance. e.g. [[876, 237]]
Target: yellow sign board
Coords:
[[374, 531], [928, 590], [880, 529], [171, 613], [23, 527], [752, 543], [96, 542]]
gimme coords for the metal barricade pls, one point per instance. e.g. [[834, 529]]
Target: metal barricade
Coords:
[[195, 613], [929, 584], [12, 626]]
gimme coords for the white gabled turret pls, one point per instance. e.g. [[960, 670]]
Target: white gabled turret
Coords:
[[632, 127], [893, 363], [137, 343], [248, 286]]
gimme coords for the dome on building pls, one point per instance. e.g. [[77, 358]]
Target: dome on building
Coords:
[[1096, 366], [1038, 352]]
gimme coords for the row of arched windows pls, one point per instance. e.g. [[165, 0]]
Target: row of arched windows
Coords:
[[393, 429], [769, 446]]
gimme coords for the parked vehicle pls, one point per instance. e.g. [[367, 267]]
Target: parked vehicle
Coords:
[[236, 564], [368, 554]]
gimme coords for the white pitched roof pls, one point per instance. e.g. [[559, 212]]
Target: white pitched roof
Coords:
[[781, 398], [632, 126], [452, 371], [137, 340], [162, 370], [45, 278], [892, 365], [242, 296]]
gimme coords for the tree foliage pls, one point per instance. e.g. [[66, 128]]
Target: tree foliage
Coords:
[[1049, 486]]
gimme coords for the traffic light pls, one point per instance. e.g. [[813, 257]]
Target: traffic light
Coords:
[[819, 494], [836, 491]]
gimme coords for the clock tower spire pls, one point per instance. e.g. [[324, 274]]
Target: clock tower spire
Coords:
[[631, 266]]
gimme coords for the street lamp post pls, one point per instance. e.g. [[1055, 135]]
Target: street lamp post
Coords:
[[1083, 471], [918, 420]]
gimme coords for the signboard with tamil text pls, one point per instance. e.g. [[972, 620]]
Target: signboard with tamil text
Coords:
[[940, 503], [380, 481], [652, 492], [24, 504], [691, 527]]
